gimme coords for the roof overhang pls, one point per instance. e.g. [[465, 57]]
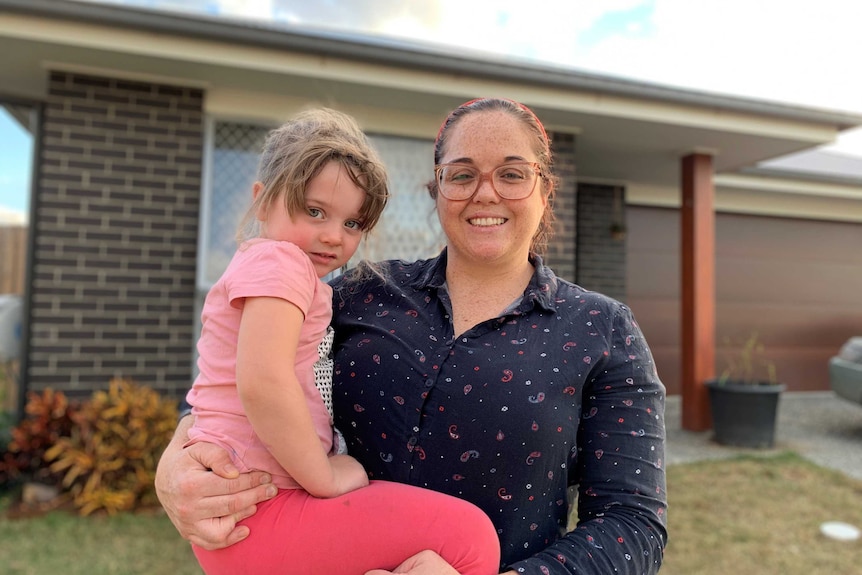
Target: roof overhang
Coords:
[[627, 132]]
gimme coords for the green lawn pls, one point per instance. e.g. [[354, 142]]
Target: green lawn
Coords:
[[760, 515], [743, 516], [124, 544]]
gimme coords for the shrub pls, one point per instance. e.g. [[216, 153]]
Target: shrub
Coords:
[[7, 422], [108, 461], [8, 383], [48, 417]]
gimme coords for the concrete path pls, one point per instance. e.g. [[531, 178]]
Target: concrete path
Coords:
[[818, 425]]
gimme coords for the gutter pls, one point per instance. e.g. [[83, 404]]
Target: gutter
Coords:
[[393, 52]]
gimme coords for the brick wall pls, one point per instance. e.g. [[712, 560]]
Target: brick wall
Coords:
[[561, 254], [601, 257], [116, 226]]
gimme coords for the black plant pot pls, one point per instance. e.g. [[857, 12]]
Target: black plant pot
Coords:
[[744, 415]]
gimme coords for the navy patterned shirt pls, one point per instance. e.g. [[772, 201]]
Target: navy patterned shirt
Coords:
[[560, 390]]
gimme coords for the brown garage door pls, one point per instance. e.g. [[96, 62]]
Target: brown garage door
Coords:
[[798, 283]]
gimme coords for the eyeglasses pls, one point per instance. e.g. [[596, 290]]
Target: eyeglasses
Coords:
[[514, 181]]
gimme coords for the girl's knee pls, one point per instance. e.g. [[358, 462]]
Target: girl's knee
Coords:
[[476, 528]]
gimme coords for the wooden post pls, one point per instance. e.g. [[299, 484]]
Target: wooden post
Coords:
[[13, 254], [698, 289]]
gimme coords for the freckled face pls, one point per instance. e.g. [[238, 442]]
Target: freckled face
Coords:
[[487, 228], [330, 228]]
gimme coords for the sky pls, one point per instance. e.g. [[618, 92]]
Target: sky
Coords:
[[15, 165], [800, 52]]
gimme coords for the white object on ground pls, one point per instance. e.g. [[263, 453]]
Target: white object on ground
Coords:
[[839, 531]]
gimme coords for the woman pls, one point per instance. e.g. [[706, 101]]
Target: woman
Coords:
[[482, 375]]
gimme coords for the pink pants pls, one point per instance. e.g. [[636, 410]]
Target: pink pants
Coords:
[[376, 527]]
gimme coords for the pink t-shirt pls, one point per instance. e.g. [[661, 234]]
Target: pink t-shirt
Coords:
[[260, 268]]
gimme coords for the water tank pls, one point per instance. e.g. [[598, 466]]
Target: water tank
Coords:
[[10, 327]]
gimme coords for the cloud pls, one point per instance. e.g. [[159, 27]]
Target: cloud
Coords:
[[10, 216], [795, 53], [767, 49]]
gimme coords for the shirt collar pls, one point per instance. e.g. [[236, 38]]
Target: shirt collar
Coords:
[[541, 290]]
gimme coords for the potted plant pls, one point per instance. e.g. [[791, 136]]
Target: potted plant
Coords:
[[744, 399]]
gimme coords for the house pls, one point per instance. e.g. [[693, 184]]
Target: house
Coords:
[[145, 127]]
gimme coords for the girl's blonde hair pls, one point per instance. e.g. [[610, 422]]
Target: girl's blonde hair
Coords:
[[297, 152]]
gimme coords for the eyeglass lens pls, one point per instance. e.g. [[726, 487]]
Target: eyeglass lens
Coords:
[[510, 181]]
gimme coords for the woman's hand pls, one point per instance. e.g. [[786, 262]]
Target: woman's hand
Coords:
[[203, 493], [423, 563]]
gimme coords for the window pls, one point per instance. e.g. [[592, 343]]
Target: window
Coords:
[[409, 228], [17, 142], [231, 168], [17, 126]]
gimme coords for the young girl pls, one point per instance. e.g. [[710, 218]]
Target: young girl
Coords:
[[265, 337]]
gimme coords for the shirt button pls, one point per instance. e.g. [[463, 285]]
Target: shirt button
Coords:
[[412, 440], [429, 382]]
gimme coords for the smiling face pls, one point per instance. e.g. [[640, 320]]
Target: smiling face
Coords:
[[487, 228], [329, 229]]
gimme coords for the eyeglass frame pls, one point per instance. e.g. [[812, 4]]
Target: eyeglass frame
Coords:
[[489, 175]]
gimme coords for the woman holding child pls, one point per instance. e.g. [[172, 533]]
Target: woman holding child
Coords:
[[482, 375]]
